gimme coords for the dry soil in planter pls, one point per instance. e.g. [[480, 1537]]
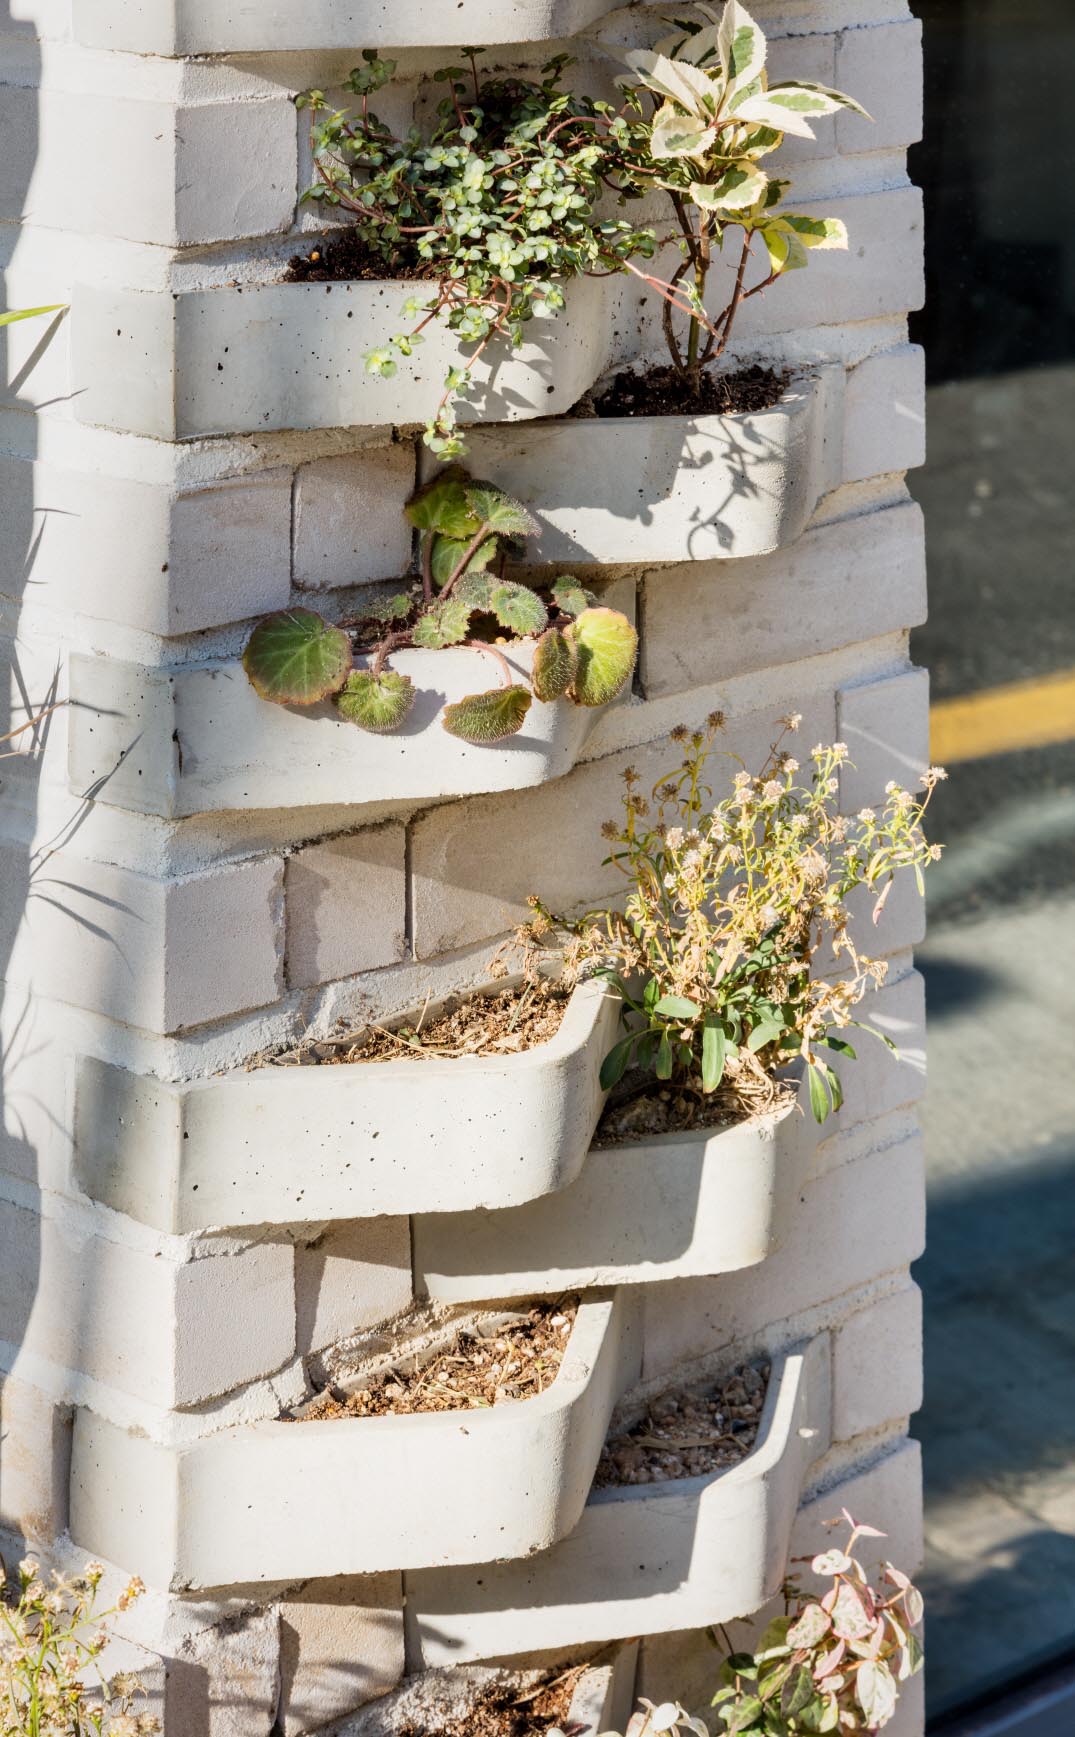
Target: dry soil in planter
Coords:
[[661, 392], [688, 1432], [346, 257], [646, 1112], [501, 1022], [508, 1711], [482, 1363]]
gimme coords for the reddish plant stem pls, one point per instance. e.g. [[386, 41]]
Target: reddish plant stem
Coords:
[[464, 562], [391, 642], [491, 650], [427, 566]]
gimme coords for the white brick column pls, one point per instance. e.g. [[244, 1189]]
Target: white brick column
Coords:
[[185, 881]]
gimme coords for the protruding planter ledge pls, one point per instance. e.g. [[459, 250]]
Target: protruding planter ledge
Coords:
[[201, 741], [281, 1145], [673, 488], [282, 1501], [247, 358], [237, 26], [682, 1206], [651, 1558]]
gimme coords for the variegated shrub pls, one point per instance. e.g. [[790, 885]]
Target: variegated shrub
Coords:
[[699, 119]]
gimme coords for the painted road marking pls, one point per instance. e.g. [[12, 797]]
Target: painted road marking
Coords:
[[1030, 714]]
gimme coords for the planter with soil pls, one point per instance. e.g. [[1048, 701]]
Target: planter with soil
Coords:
[[186, 27], [245, 358], [495, 1701], [661, 1206], [473, 1122], [200, 740], [638, 479], [457, 1439], [651, 1557]]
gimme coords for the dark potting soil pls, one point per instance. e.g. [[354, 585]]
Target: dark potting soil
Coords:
[[344, 255], [662, 392]]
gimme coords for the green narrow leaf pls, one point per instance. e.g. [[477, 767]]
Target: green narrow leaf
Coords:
[[484, 719], [378, 703], [504, 516], [442, 624], [606, 646], [663, 1069], [819, 1097], [296, 658], [765, 1032], [14, 314], [518, 608], [676, 1007], [615, 1063], [714, 1055], [554, 666]]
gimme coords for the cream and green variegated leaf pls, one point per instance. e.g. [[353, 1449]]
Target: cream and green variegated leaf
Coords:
[[741, 45], [677, 80], [780, 116], [697, 46], [813, 99], [818, 232], [483, 719], [678, 135], [786, 252], [741, 186], [378, 703]]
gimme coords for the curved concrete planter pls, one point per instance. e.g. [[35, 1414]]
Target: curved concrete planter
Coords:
[[672, 488], [682, 1206], [247, 358], [201, 741], [651, 1558], [284, 1145], [282, 1501], [248, 26]]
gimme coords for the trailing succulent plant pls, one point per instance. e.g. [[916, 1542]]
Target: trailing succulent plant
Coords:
[[468, 531], [494, 203]]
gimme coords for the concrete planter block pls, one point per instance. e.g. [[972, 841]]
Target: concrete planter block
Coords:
[[603, 1698], [245, 26], [280, 1145], [649, 1558], [672, 488], [679, 1206], [247, 358], [279, 1500], [201, 741]]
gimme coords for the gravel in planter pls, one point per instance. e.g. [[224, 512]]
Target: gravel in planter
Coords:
[[688, 1432], [501, 1022], [482, 1362], [641, 1110]]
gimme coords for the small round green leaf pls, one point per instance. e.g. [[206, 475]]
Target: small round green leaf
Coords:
[[518, 608], [554, 666], [487, 718], [443, 624], [442, 506], [296, 658], [504, 516], [570, 596], [376, 702], [606, 646], [449, 551]]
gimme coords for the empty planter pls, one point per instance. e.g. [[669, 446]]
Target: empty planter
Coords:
[[673, 488], [676, 1206], [283, 1500], [201, 741], [247, 358], [649, 1558], [280, 1145]]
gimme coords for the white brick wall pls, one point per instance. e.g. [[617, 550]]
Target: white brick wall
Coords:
[[206, 447]]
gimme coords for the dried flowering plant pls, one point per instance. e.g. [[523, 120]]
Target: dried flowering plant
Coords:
[[494, 203], [830, 1663], [468, 531], [51, 1638], [727, 904], [700, 116]]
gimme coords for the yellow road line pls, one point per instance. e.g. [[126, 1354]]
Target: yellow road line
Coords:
[[1030, 714]]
